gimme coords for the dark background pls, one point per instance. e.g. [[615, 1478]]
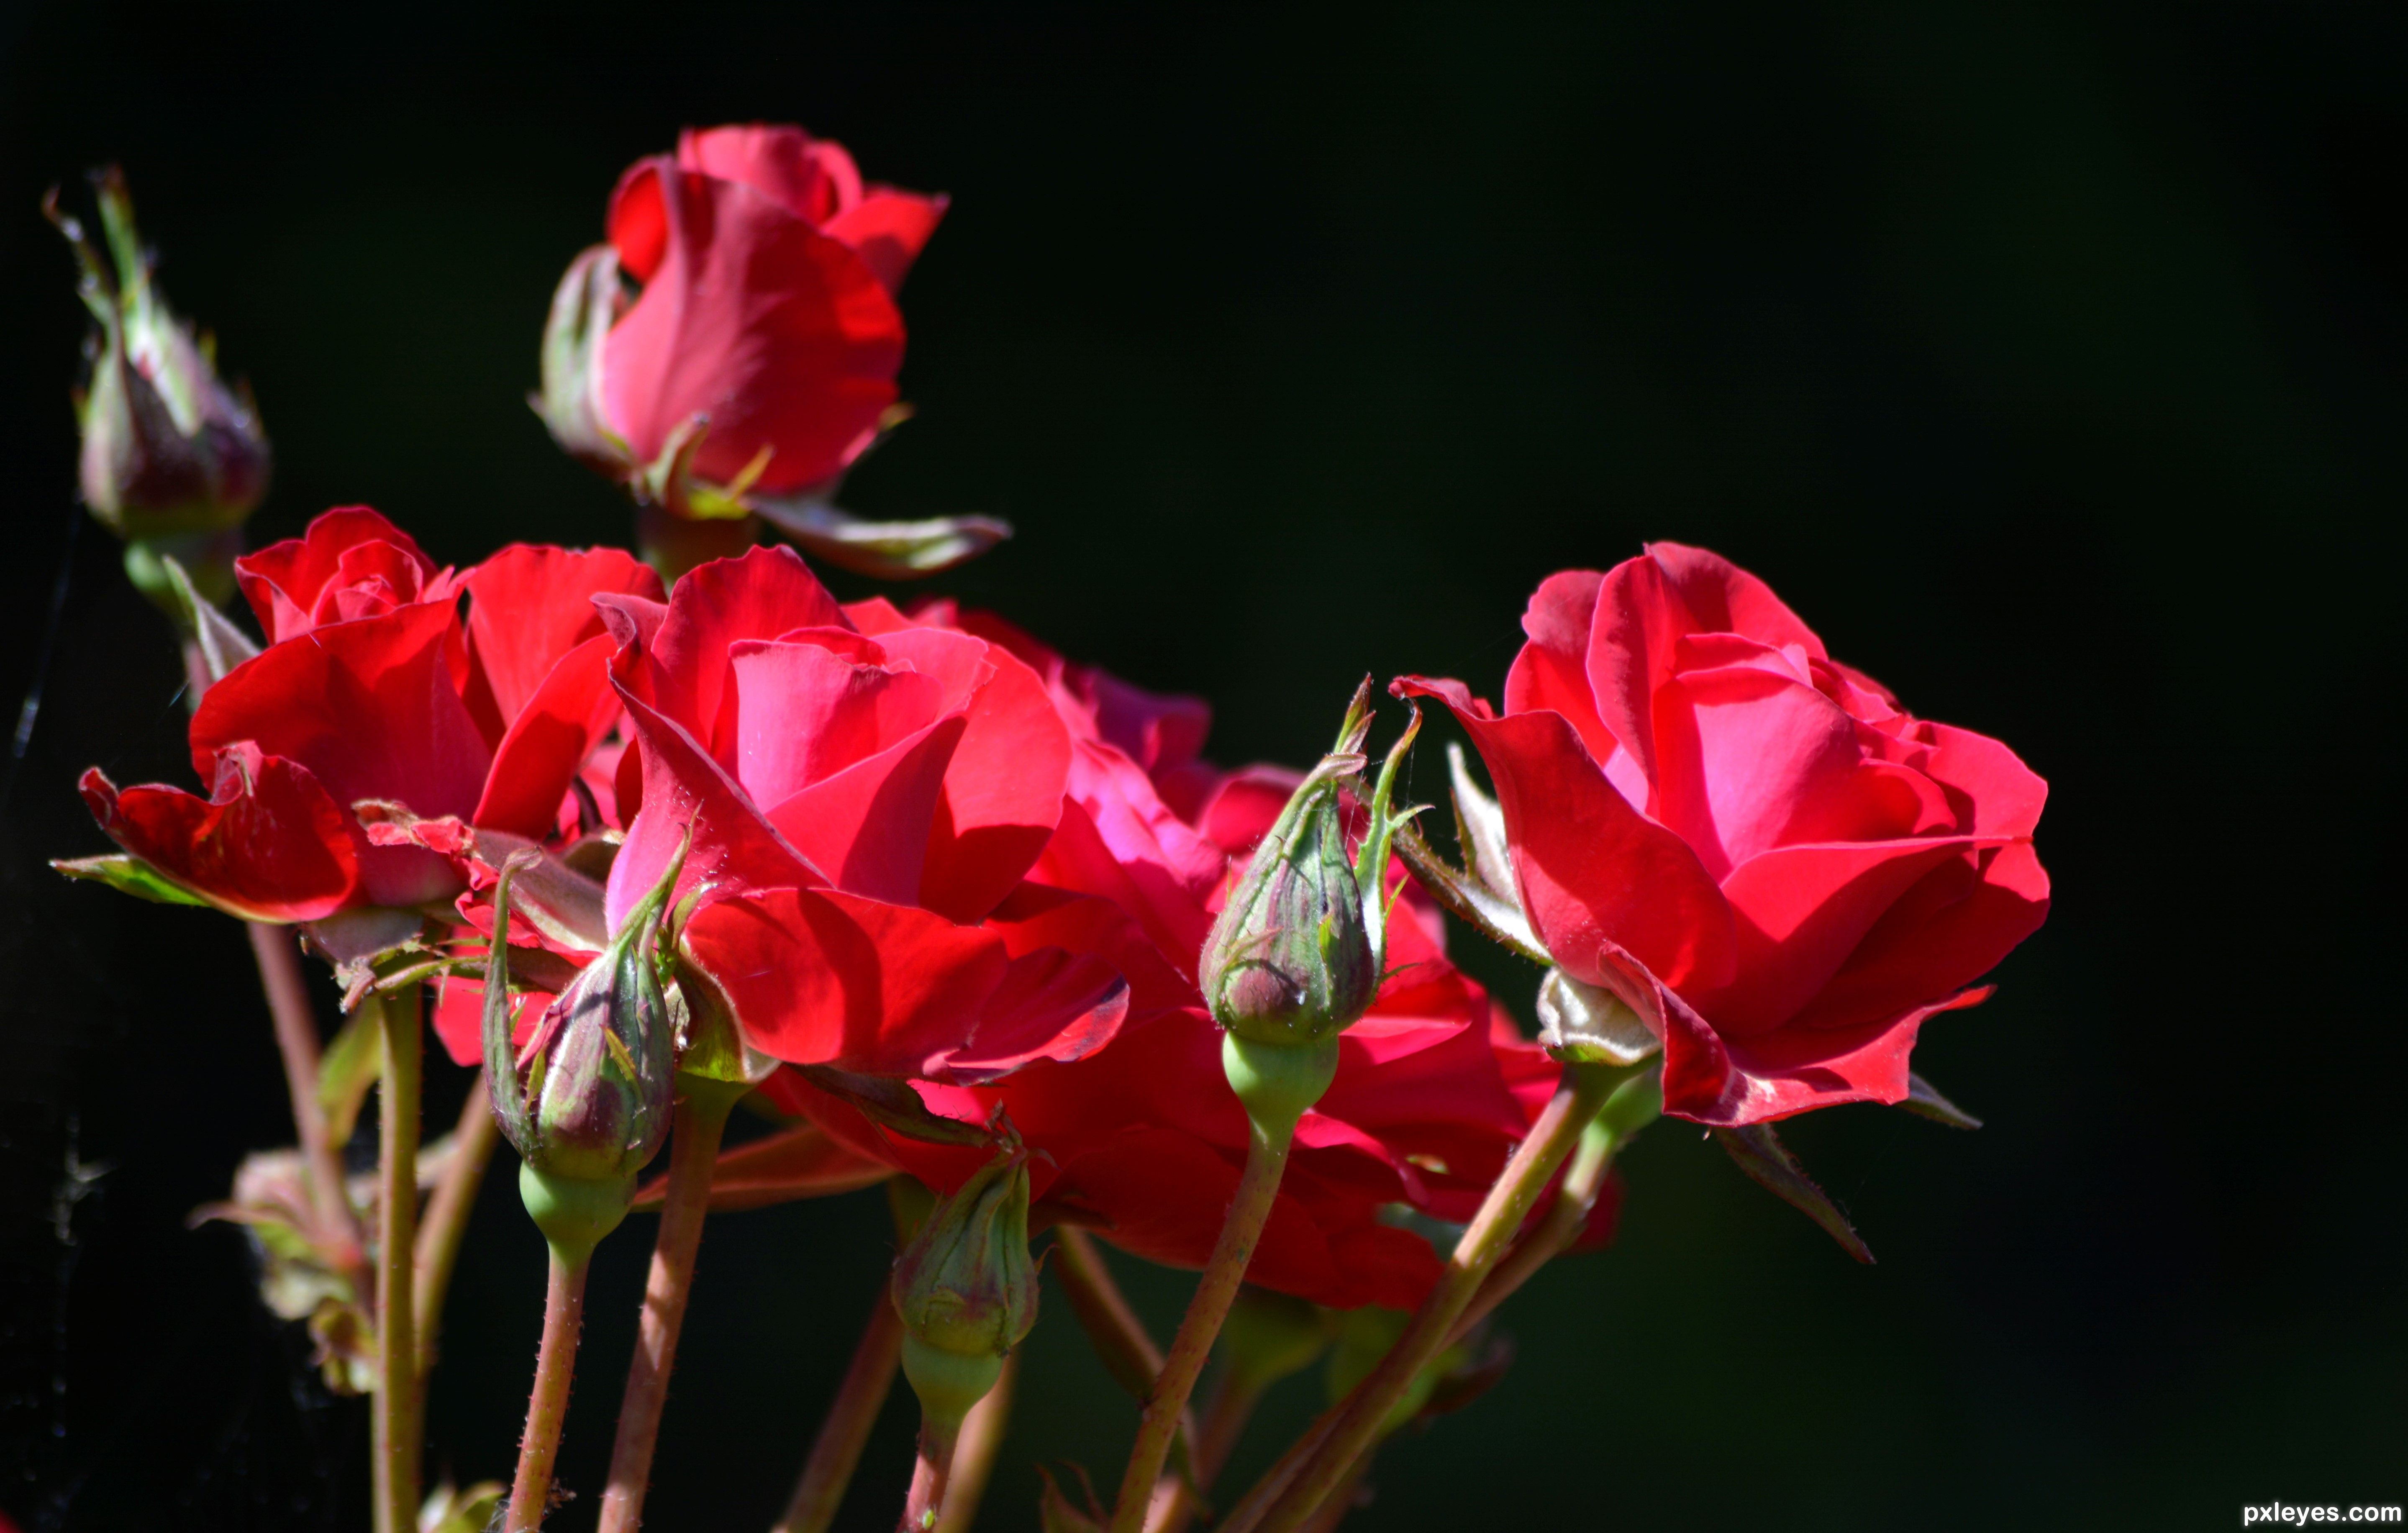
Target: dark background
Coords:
[[2051, 361]]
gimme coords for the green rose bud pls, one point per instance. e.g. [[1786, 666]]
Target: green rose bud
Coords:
[[966, 1290], [1290, 960], [588, 1100], [173, 459]]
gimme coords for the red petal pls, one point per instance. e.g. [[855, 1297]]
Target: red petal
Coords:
[[529, 606], [369, 708], [283, 581], [1003, 789], [1722, 598], [1800, 912], [765, 595], [1594, 872], [868, 825], [781, 337], [553, 733], [813, 178], [735, 847], [889, 228], [822, 978], [269, 844]]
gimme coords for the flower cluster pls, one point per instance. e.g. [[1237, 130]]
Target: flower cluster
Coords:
[[644, 835]]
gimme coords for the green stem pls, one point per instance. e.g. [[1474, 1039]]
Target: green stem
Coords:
[[400, 1397], [974, 1455], [446, 1225], [694, 1150], [851, 1415], [1267, 1149], [1552, 1236], [555, 1365], [1177, 1503], [673, 544], [1582, 1092]]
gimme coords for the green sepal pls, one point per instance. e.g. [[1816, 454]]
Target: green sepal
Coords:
[[1770, 1164], [1924, 1100], [502, 1083], [130, 875], [886, 550], [1466, 897]]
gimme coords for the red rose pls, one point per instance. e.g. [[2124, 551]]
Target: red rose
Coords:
[[1744, 840], [767, 314], [862, 793], [1143, 1136], [373, 689]]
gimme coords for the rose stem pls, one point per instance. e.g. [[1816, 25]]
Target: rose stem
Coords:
[[1248, 1512], [400, 1396], [851, 1415], [1225, 1418], [1553, 1235], [694, 1150], [981, 1438], [1268, 1139], [1341, 1500], [337, 1230], [1582, 1092], [555, 1364], [446, 1225], [928, 1476]]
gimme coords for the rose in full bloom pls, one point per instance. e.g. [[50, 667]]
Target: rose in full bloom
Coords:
[[1748, 843], [762, 347], [375, 693], [1143, 1137], [861, 794]]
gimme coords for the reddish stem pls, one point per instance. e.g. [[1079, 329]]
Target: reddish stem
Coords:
[[851, 1415], [555, 1365], [336, 1231], [926, 1501], [1250, 1210], [693, 1149]]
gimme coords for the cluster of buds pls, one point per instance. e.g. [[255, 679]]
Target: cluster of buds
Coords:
[[587, 1100], [1296, 956], [174, 460]]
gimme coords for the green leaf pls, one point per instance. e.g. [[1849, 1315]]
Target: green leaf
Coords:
[[1770, 1165], [132, 876], [347, 1070], [1924, 1100]]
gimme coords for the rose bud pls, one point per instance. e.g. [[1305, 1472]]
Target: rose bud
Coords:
[[966, 1290], [173, 459], [732, 350], [587, 1101], [1295, 956]]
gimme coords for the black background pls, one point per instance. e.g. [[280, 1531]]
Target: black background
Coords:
[[2049, 360]]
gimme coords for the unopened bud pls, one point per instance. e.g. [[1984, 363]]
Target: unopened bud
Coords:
[[966, 1290], [587, 1101], [173, 458], [1290, 960]]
